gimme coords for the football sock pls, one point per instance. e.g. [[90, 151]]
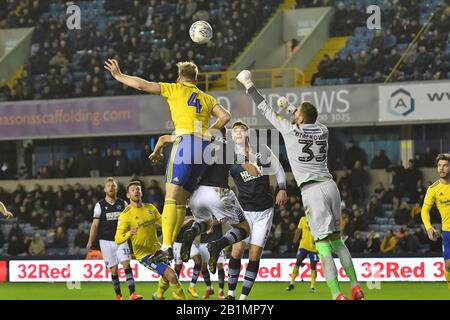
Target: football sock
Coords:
[[234, 268], [195, 274], [447, 276], [163, 285], [250, 276], [313, 278], [130, 280], [207, 278], [294, 273], [177, 291], [181, 213], [329, 268], [221, 279], [346, 260], [233, 235], [169, 219], [116, 284]]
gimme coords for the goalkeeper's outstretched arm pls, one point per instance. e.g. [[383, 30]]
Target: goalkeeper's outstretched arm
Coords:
[[282, 125]]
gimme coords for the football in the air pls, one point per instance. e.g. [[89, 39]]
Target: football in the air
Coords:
[[201, 32]]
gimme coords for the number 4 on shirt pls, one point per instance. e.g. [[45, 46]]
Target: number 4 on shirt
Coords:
[[194, 102]]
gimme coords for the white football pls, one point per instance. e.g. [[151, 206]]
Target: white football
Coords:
[[201, 32]]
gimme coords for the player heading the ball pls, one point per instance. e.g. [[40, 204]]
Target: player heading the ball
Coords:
[[191, 111]]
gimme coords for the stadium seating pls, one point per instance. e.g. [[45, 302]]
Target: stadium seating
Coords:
[[361, 39], [153, 38], [380, 225]]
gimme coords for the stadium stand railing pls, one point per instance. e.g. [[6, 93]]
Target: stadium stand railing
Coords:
[[263, 78]]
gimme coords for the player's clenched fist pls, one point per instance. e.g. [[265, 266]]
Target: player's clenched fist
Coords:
[[156, 157]]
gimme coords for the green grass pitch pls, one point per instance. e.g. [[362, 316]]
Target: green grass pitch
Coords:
[[261, 291]]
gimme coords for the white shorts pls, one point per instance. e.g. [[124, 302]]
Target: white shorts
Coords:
[[177, 252], [114, 253], [322, 202], [220, 202], [205, 254], [260, 222]]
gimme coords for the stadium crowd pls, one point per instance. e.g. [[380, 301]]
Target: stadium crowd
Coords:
[[145, 36], [366, 217], [370, 55], [89, 162], [385, 221], [58, 219], [148, 40]]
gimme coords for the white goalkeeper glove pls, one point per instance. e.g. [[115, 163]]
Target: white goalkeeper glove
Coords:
[[284, 104], [245, 77]]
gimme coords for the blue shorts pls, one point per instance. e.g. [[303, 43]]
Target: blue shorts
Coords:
[[186, 164], [303, 253], [446, 244], [159, 268]]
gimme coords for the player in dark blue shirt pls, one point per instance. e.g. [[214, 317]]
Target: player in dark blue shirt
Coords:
[[257, 200]]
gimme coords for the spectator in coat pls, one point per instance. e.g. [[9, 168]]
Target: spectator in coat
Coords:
[[37, 246], [389, 243]]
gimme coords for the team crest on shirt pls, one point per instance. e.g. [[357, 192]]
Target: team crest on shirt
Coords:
[[110, 216], [119, 207], [150, 211]]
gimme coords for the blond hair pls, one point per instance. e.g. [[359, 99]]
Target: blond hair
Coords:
[[110, 179], [187, 70]]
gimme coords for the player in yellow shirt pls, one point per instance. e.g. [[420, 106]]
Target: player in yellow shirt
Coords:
[[305, 248], [138, 223], [439, 193], [191, 111]]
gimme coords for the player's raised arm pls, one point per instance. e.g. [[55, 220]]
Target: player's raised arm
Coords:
[[5, 211], [425, 214], [222, 116], [282, 125], [157, 155], [135, 82]]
